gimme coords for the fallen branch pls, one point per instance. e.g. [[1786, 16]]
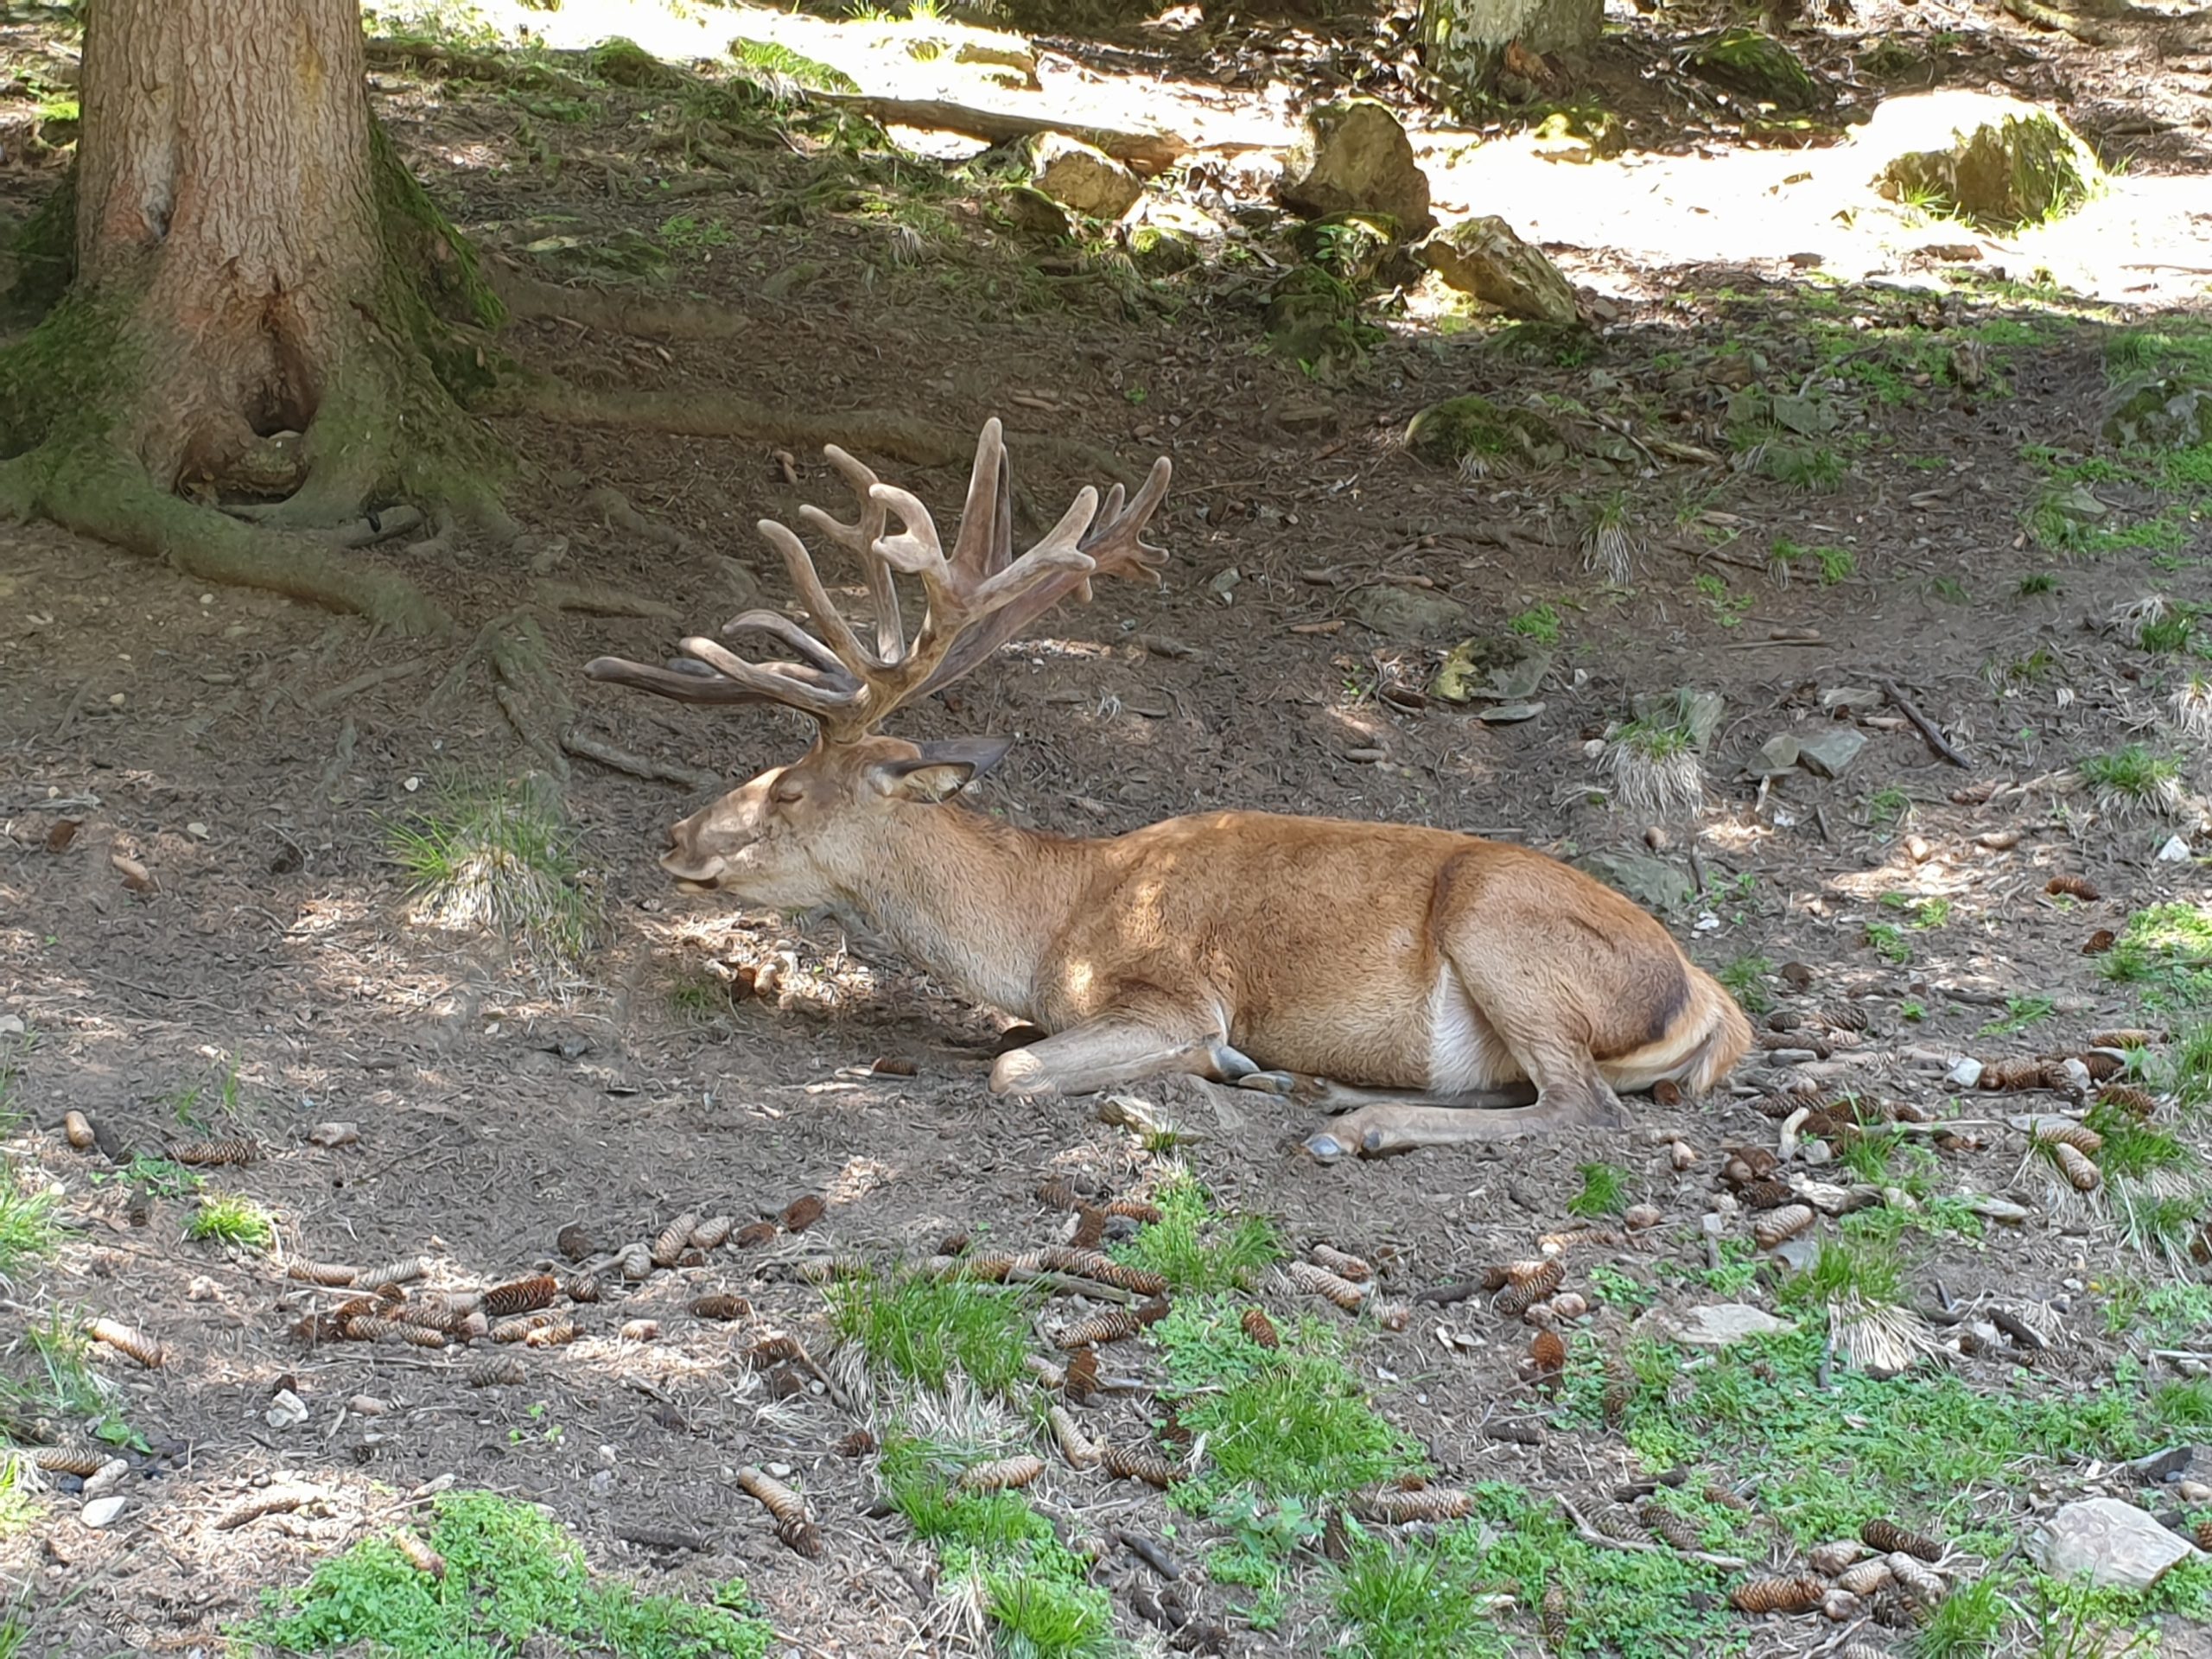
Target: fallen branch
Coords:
[[585, 746], [324, 701], [1928, 728], [1146, 152], [1591, 1534]]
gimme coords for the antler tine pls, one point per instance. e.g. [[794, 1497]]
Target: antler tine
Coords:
[[685, 683], [860, 539], [777, 626], [981, 548], [1116, 541], [799, 562]]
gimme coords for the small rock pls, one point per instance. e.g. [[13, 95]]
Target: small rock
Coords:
[[1750, 62], [1508, 667], [1966, 1072], [2110, 1542], [102, 1511], [197, 830], [109, 1476], [203, 1289], [334, 1134], [1716, 1324], [1485, 257], [1480, 437], [2175, 851], [367, 1405], [2193, 1492], [1652, 882], [1408, 613], [2160, 414], [1353, 158], [1829, 753], [1780, 753], [1083, 176], [1991, 1208], [286, 1410]]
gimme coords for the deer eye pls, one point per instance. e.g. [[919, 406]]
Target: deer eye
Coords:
[[786, 794]]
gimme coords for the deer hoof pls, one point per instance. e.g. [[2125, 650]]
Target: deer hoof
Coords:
[[1281, 1084], [1326, 1147]]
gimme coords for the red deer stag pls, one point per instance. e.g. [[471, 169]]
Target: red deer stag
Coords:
[[1402, 974]]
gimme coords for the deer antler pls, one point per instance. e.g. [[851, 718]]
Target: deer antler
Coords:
[[978, 597]]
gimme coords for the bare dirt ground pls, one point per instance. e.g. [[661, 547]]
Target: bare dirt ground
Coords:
[[266, 977]]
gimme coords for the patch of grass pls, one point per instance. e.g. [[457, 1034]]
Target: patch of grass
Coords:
[[1194, 1250], [161, 1178], [18, 1511], [226, 1218], [2167, 952], [1966, 1624], [1604, 1191], [1618, 1289], [1655, 768], [28, 1232], [1415, 1601], [1847, 1269], [1299, 1427], [1041, 1618], [1835, 564], [1816, 468], [2037, 583], [2020, 1013], [2167, 1314], [1728, 609], [1825, 1460], [2183, 1405], [1888, 941], [499, 857], [924, 1329], [1745, 979], [2132, 779], [515, 1580], [1539, 622], [1887, 808], [2186, 1072], [2132, 1147]]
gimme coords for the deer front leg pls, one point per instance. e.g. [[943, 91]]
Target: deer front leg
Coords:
[[1116, 1048]]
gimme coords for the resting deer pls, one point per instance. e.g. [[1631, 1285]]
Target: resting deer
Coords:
[[1403, 974]]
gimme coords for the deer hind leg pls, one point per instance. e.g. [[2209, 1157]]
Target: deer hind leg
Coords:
[[1537, 1032], [1116, 1048]]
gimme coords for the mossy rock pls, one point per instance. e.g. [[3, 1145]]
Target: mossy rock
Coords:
[[1031, 212], [1313, 317], [1474, 434], [2007, 164], [1754, 63], [1353, 247], [1577, 135], [2165, 413], [1161, 251], [622, 63], [1485, 256], [1353, 158], [775, 63]]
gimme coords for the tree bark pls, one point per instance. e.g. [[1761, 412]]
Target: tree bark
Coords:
[[1463, 41], [250, 259], [224, 182]]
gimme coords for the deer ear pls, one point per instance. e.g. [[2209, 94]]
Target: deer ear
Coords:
[[941, 770]]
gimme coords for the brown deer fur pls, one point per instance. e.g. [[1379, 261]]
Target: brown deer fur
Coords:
[[1409, 973]]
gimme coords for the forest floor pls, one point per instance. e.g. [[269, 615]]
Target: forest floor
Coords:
[[1817, 494]]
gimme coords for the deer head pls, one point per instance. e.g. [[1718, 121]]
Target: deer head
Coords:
[[789, 838]]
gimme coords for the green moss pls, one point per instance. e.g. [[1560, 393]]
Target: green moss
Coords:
[[1751, 61], [1157, 250], [768, 58], [1460, 430], [2001, 176], [622, 63], [45, 250]]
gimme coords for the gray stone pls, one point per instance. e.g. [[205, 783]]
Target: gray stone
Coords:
[[1714, 1325], [1652, 882], [1828, 754], [2110, 1542], [1082, 176], [2160, 414], [1696, 712], [1353, 158], [1507, 713], [1779, 752], [1407, 613], [102, 1511], [1508, 667], [1483, 257]]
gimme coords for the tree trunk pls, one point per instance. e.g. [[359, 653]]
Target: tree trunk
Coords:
[[251, 259], [224, 184], [1463, 40]]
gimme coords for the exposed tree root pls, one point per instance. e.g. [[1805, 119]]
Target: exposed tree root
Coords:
[[590, 747], [645, 315], [900, 437], [104, 495]]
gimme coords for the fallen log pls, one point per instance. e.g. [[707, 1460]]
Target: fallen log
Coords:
[[1146, 152]]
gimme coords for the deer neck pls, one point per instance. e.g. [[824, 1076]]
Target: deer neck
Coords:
[[975, 902]]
